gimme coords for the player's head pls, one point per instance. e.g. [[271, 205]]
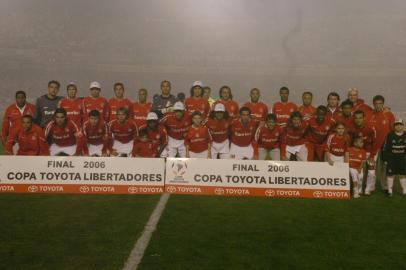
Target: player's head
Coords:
[[225, 93], [340, 128], [95, 89], [197, 89], [359, 118], [197, 118], [142, 95], [122, 114], [346, 108], [378, 101], [94, 117], [206, 92], [165, 88], [143, 135], [254, 95], [60, 117], [398, 125], [26, 122], [270, 120], [295, 119], [353, 95], [219, 112], [284, 94], [321, 112], [53, 88], [245, 114], [152, 120], [21, 98], [333, 99], [118, 89], [307, 98], [71, 90], [358, 142], [178, 110]]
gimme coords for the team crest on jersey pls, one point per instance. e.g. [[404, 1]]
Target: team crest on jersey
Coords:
[[359, 156]]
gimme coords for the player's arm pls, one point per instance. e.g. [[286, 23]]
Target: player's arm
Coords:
[[43, 146], [12, 138], [5, 129]]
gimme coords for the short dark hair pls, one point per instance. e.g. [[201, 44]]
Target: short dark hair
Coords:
[[60, 110], [122, 109], [28, 116], [245, 109], [118, 84], [20, 92], [54, 82], [321, 108], [359, 112], [333, 94], [307, 93], [271, 116], [346, 102], [195, 113], [294, 115], [378, 98], [166, 81], [94, 113], [284, 88]]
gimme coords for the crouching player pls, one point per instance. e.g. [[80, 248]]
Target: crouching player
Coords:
[[29, 137], [122, 132], [357, 160], [156, 133], [393, 150], [63, 135], [218, 124], [95, 136], [198, 139], [268, 138], [336, 146], [143, 146], [293, 145]]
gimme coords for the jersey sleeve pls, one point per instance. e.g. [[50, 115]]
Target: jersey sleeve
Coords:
[[5, 129]]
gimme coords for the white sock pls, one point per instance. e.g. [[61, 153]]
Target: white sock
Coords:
[[403, 184], [371, 179], [390, 183], [360, 182]]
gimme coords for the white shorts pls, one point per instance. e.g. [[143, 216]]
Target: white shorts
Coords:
[[274, 154], [299, 150], [123, 148], [222, 149], [95, 149], [335, 158], [54, 150], [203, 154], [174, 147], [241, 152], [356, 176]]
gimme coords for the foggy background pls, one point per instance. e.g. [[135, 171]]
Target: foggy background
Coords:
[[317, 45]]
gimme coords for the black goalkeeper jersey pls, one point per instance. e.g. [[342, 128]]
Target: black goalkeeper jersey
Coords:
[[394, 146]]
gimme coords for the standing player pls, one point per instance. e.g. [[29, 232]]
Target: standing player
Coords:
[[283, 109], [95, 136], [14, 113], [218, 125], [268, 138], [307, 110], [47, 104], [198, 139], [336, 146], [164, 103], [259, 110], [156, 133], [29, 137], [196, 102], [358, 104], [141, 108], [122, 132], [95, 102], [119, 101], [226, 98], [333, 109], [242, 136], [63, 136], [72, 104], [293, 146], [345, 116], [206, 95], [394, 151], [357, 157], [177, 124]]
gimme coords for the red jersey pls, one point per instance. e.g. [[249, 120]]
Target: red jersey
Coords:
[[30, 143], [356, 157], [12, 118], [122, 132], [176, 129], [361, 106], [140, 112], [337, 145], [218, 129], [283, 112], [158, 137], [368, 135], [243, 134], [230, 105], [318, 131], [100, 104], [382, 123], [73, 108], [197, 104], [346, 121], [293, 137], [116, 103], [95, 136], [307, 112], [259, 110], [333, 112], [268, 139], [144, 149], [64, 136], [198, 139]]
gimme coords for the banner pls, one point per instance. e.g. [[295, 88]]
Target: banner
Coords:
[[85, 175], [257, 178]]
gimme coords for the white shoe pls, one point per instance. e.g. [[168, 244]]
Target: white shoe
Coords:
[[367, 193], [356, 196]]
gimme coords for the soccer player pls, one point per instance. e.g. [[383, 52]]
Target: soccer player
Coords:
[[47, 104], [141, 108], [226, 98], [143, 146], [336, 146], [206, 95], [345, 115], [156, 133], [320, 126], [293, 145], [95, 102], [394, 151], [242, 136], [283, 109], [259, 110], [218, 124], [119, 101], [72, 104], [358, 104], [333, 108], [357, 156], [63, 135], [196, 102], [95, 136], [29, 137], [164, 102], [176, 124], [307, 110], [198, 139], [14, 113], [268, 138], [122, 132]]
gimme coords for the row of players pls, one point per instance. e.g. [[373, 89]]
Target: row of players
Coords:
[[225, 134]]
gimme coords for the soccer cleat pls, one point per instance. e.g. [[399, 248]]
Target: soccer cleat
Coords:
[[367, 193], [356, 196]]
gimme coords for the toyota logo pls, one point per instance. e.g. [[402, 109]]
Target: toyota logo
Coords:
[[171, 189], [32, 188], [132, 190], [318, 194], [219, 191], [84, 189], [270, 192]]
